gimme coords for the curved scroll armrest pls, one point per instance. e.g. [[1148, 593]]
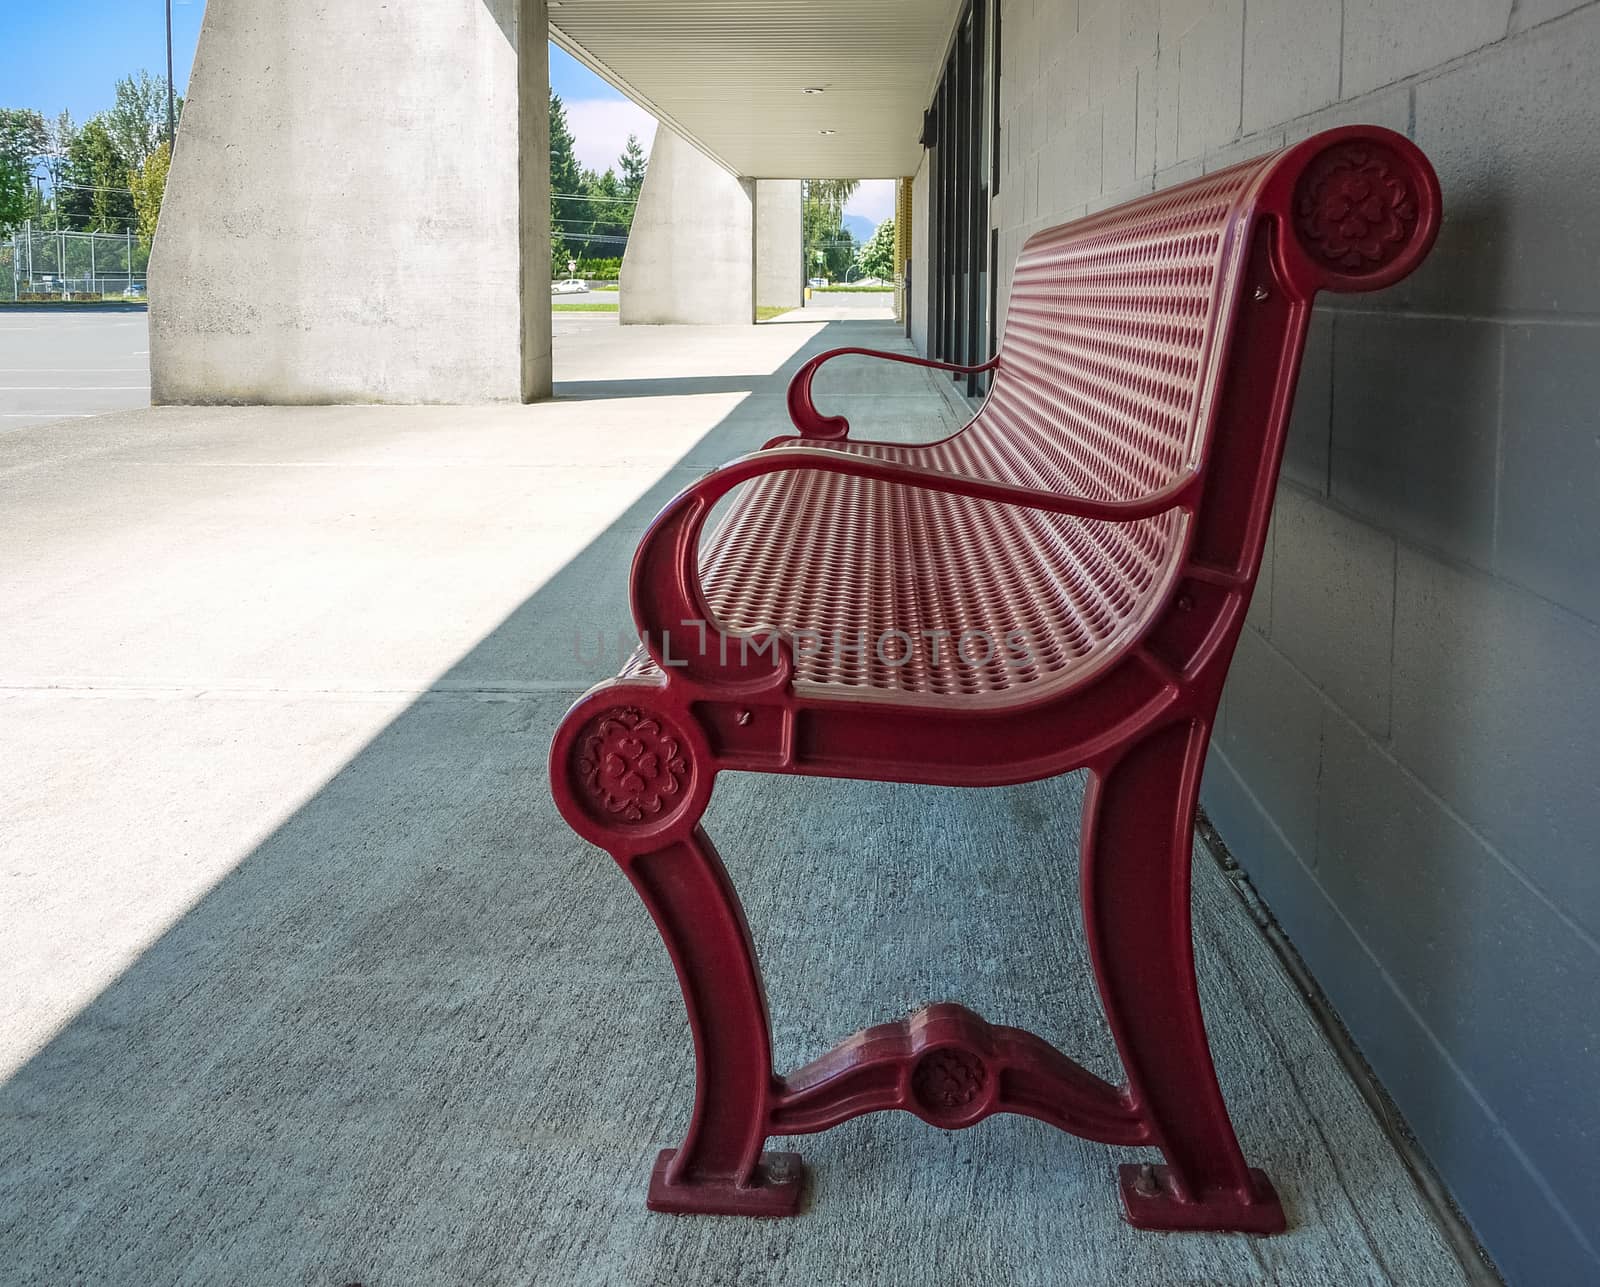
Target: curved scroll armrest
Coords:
[[812, 424], [666, 591]]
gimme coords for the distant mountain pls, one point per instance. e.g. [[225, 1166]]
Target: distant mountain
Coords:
[[860, 227]]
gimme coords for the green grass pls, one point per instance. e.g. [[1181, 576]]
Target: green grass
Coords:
[[583, 308], [765, 312], [853, 290]]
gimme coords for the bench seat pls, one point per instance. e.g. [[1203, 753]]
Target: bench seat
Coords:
[[999, 598]]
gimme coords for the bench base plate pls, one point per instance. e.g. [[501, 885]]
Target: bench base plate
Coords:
[[779, 1188], [1149, 1202]]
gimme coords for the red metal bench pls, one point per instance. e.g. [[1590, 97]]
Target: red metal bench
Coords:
[[1057, 586]]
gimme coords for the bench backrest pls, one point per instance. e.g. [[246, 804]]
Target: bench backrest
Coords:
[[1111, 356]]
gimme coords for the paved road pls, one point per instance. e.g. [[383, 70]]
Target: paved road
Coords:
[[59, 365]]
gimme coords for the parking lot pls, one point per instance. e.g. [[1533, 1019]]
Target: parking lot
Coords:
[[70, 364]]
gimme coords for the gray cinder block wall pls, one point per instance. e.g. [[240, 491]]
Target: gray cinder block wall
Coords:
[[358, 207], [1406, 762]]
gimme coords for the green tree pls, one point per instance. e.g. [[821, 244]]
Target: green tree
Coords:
[[609, 212], [632, 163], [94, 193], [24, 137], [829, 247], [137, 122], [60, 136], [149, 184], [567, 214], [876, 258], [16, 195]]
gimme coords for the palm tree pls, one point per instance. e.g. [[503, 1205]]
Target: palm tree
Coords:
[[823, 203]]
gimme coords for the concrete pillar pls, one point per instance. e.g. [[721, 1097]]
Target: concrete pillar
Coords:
[[691, 249], [358, 210], [780, 244]]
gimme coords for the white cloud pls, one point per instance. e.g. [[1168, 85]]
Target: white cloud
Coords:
[[600, 129], [874, 199]]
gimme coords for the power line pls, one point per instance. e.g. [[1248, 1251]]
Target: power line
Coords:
[[562, 196], [89, 187]]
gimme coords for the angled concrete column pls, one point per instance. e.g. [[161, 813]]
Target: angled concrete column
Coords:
[[691, 250], [780, 244], [358, 209]]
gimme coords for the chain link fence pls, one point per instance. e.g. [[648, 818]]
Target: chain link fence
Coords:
[[46, 264]]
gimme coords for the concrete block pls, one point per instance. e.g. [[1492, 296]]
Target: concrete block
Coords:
[[1209, 80], [1066, 88], [1485, 1168], [1274, 739], [1057, 20], [1495, 707], [1244, 150], [1259, 615], [1333, 604], [1527, 14], [1079, 158], [1390, 108], [1290, 67], [1180, 173], [1176, 17], [780, 274], [1121, 196], [1100, 35], [1144, 143], [1512, 137], [691, 250], [1548, 526], [1500, 979], [1165, 90], [1139, 34], [1120, 133], [1385, 40], [292, 263], [1415, 427], [1305, 453]]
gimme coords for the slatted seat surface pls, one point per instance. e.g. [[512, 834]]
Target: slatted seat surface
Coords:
[[1103, 389]]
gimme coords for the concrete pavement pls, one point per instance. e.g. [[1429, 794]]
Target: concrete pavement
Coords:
[[309, 983], [68, 364]]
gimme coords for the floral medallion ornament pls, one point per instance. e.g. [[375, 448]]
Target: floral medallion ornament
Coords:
[[947, 1080], [630, 766], [1355, 208]]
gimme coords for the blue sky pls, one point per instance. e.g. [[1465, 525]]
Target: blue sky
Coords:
[[70, 53]]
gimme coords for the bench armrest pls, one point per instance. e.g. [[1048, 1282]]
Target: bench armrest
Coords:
[[812, 424], [666, 592]]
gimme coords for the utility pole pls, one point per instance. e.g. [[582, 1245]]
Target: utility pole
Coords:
[[171, 106]]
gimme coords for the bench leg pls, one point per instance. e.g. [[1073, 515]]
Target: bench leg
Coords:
[[1138, 837], [719, 1169]]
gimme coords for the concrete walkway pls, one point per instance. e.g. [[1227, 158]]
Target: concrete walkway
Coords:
[[307, 982]]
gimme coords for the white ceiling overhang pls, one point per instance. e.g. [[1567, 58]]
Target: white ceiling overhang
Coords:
[[730, 75]]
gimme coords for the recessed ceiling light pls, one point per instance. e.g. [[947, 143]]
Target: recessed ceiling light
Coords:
[[827, 131], [812, 89]]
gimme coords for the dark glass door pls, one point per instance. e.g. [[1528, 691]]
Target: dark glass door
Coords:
[[961, 176]]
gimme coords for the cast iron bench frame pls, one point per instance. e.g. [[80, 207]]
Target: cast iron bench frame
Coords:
[[633, 763]]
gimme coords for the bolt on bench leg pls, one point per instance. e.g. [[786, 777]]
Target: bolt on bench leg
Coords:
[[720, 1168], [1138, 837]]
